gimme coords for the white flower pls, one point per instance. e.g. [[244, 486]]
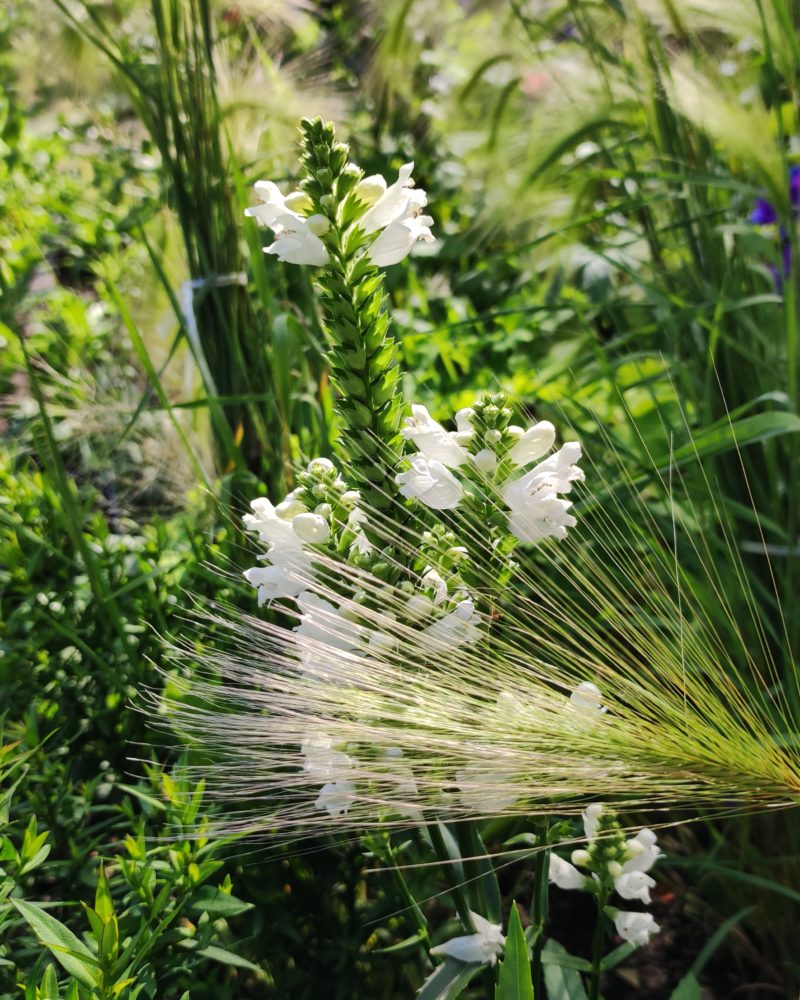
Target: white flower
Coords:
[[643, 852], [464, 420], [395, 242], [536, 441], [565, 875], [433, 579], [635, 928], [483, 946], [587, 699], [431, 482], [311, 528], [296, 243], [536, 510], [273, 204], [555, 474], [456, 628], [336, 797], [394, 202], [324, 623], [431, 438], [544, 518], [634, 885], [275, 582], [322, 762], [590, 817]]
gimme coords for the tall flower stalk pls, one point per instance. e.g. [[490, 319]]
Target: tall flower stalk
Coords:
[[431, 675]]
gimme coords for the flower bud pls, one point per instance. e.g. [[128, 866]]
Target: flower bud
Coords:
[[485, 460], [324, 510], [370, 189], [311, 528], [614, 869], [298, 201], [581, 857], [318, 225], [350, 497], [319, 465], [328, 204], [514, 431], [290, 508], [418, 606], [492, 436]]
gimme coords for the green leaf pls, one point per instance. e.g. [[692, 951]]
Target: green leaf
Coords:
[[687, 989], [561, 981], [448, 980], [217, 903], [103, 904], [727, 435], [515, 970], [48, 990], [228, 958], [69, 952]]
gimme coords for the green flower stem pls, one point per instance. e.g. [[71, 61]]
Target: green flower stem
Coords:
[[539, 913], [363, 355], [597, 945]]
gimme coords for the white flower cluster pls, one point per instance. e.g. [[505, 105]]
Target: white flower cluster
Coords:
[[535, 507], [393, 212], [628, 872], [288, 530]]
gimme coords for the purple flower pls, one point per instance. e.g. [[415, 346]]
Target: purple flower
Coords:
[[764, 213]]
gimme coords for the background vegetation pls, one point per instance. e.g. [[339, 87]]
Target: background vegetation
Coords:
[[592, 170]]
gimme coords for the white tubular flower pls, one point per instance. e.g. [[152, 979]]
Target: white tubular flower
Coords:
[[565, 875], [643, 852], [555, 474], [456, 628], [486, 945], [274, 582], [322, 762], [590, 816], [433, 579], [431, 438], [324, 623], [395, 242], [634, 885], [635, 928], [536, 441], [273, 204], [545, 518], [587, 699], [464, 420], [296, 243], [430, 482], [336, 797], [394, 202]]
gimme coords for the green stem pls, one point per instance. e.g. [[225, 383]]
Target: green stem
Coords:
[[415, 914], [597, 948], [539, 913]]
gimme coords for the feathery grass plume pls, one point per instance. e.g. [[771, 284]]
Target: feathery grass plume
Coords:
[[606, 671]]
